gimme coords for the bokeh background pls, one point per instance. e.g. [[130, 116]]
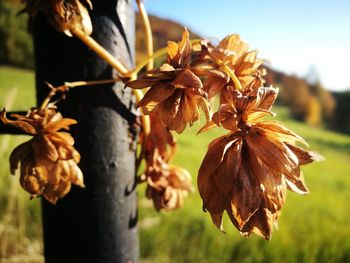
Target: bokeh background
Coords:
[[306, 45]]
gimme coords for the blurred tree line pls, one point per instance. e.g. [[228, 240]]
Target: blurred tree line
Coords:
[[341, 116], [308, 100]]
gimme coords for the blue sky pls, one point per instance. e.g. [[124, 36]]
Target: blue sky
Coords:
[[292, 35]]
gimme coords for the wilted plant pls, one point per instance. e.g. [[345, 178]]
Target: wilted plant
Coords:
[[245, 172]]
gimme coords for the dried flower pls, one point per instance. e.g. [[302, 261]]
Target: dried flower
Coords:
[[246, 172], [48, 162], [166, 185], [175, 92], [169, 187], [63, 15], [232, 55]]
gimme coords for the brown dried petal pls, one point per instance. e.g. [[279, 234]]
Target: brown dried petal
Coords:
[[21, 152], [235, 44], [156, 95], [272, 152], [213, 199], [304, 156], [19, 124], [266, 96], [186, 79], [246, 195], [59, 124]]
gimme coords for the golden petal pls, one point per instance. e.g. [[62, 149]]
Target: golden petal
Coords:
[[76, 174], [185, 48], [64, 188], [20, 153], [22, 125], [61, 138], [43, 148], [60, 124], [234, 43], [172, 49]]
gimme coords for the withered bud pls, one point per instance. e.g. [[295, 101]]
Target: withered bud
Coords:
[[48, 162], [168, 191], [63, 15]]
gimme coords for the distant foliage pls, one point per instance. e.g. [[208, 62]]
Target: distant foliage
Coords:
[[341, 116], [16, 46], [310, 103], [314, 111]]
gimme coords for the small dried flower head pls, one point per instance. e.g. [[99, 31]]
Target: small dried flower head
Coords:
[[166, 185], [168, 189], [247, 172], [175, 93], [48, 162], [63, 15], [232, 54]]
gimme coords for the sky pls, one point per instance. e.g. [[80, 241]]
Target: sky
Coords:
[[294, 36]]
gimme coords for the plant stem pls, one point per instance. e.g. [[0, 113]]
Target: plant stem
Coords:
[[99, 50], [68, 85], [148, 33]]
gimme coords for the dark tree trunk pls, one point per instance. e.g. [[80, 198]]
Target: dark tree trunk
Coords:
[[98, 223]]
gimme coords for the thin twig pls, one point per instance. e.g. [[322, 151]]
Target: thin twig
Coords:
[[148, 33], [69, 85]]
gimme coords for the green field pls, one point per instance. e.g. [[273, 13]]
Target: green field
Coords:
[[312, 228]]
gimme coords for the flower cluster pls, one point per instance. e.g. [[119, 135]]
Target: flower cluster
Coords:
[[176, 93], [245, 172], [48, 162]]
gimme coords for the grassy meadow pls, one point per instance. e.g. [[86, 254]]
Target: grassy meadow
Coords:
[[312, 228]]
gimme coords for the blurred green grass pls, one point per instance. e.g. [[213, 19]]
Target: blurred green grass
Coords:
[[312, 228]]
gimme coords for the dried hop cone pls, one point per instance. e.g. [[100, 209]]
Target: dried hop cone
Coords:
[[247, 172], [175, 92], [232, 54], [168, 189], [64, 15], [48, 162]]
